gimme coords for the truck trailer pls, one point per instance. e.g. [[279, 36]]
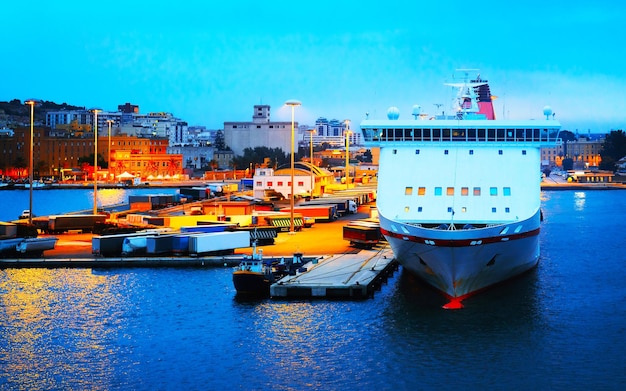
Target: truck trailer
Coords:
[[64, 223], [318, 212], [218, 242], [362, 233]]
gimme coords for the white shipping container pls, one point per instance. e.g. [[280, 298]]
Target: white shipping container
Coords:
[[218, 242]]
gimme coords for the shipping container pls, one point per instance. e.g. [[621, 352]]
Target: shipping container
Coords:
[[218, 242]]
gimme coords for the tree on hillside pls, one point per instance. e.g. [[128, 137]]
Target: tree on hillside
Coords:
[[102, 163], [613, 149], [20, 165], [366, 157], [257, 156], [39, 168], [220, 143], [568, 164], [566, 136]]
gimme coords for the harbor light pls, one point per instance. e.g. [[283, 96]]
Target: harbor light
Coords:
[[95, 161], [311, 132], [293, 103], [348, 132], [31, 103], [109, 122]]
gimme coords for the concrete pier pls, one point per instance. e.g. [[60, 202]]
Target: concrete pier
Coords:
[[339, 276]]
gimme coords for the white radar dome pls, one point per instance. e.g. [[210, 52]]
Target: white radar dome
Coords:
[[417, 110], [547, 111], [393, 113]]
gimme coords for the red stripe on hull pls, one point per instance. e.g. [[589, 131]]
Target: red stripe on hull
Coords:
[[461, 242]]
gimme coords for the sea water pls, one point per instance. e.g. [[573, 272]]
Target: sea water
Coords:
[[560, 326], [59, 201]]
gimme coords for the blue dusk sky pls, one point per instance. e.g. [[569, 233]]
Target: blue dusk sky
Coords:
[[208, 62]]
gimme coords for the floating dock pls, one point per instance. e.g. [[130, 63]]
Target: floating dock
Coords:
[[354, 276]]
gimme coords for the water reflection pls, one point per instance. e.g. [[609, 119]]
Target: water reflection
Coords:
[[56, 329], [579, 200], [111, 196]]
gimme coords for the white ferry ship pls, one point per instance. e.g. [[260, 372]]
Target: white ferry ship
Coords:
[[459, 196]]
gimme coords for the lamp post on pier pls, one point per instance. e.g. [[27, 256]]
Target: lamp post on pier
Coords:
[[293, 103], [109, 122], [95, 161], [311, 131], [31, 103], [348, 132]]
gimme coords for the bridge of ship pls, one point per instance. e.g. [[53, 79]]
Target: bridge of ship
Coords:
[[462, 133]]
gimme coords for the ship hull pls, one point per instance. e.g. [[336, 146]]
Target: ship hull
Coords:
[[461, 262], [251, 283]]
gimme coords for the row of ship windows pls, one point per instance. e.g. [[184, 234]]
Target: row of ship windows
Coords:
[[471, 152], [465, 191], [418, 134], [451, 210]]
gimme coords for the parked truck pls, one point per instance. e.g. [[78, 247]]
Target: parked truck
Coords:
[[318, 212], [218, 242], [64, 223], [362, 233], [344, 205]]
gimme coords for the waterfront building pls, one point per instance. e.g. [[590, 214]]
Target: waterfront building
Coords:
[[585, 152], [260, 132], [280, 180], [195, 157], [223, 158], [55, 151], [143, 157]]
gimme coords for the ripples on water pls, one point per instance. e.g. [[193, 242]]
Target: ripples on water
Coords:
[[560, 326]]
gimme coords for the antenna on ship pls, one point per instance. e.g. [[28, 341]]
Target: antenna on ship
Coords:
[[438, 106]]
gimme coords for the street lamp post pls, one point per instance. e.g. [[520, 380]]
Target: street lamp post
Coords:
[[347, 122], [95, 162], [293, 103], [31, 103], [311, 131], [110, 122]]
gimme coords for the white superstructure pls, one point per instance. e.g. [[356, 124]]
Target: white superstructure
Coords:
[[458, 197]]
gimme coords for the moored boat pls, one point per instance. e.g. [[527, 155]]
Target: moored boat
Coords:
[[467, 214], [255, 275]]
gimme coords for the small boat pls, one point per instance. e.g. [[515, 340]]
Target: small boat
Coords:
[[37, 185], [255, 275]]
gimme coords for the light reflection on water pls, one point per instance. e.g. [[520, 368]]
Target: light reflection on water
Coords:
[[55, 328], [146, 329], [579, 200], [111, 197]]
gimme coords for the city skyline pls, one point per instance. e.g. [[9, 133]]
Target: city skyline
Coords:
[[210, 63]]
